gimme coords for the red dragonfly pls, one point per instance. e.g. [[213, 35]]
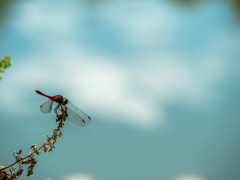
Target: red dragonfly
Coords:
[[75, 115]]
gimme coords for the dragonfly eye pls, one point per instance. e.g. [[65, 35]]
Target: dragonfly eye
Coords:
[[65, 101]]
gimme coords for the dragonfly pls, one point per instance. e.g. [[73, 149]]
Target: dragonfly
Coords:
[[75, 115]]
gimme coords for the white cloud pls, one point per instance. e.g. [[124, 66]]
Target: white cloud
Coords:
[[189, 177], [79, 177], [110, 89], [102, 87], [143, 24], [38, 17], [134, 94]]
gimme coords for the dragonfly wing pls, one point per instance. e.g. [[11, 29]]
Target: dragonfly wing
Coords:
[[47, 106], [77, 113], [74, 118]]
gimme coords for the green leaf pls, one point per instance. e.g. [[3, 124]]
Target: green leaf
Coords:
[[7, 65], [4, 63], [8, 61]]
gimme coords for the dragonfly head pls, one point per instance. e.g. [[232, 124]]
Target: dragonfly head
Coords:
[[65, 101]]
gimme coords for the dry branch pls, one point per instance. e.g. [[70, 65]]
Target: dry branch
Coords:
[[47, 146]]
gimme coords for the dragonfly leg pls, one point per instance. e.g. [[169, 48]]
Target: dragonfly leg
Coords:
[[56, 108], [61, 107]]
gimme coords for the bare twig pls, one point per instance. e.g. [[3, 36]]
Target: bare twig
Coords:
[[47, 146]]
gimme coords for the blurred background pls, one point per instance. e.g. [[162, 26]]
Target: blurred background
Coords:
[[159, 78]]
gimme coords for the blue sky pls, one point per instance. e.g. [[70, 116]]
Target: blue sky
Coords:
[[159, 80]]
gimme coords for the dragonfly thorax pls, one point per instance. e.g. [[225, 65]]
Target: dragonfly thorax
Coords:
[[61, 100], [58, 99]]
